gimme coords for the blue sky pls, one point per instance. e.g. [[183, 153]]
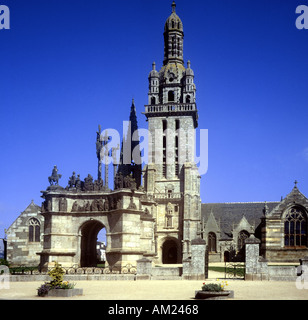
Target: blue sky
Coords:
[[67, 66]]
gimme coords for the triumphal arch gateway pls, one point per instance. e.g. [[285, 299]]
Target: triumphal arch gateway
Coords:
[[153, 211]]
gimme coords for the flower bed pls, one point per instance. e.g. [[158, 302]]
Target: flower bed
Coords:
[[57, 287], [214, 291]]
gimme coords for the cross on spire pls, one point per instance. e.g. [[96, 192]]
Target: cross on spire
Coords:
[[173, 6], [295, 183]]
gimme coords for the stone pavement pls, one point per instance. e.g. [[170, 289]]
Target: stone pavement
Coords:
[[163, 290]]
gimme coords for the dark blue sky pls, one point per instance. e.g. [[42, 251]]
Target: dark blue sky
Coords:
[[67, 66]]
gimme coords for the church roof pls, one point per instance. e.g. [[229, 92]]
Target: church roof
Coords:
[[229, 214], [32, 208]]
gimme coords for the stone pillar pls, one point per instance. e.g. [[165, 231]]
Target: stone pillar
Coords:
[[304, 262], [256, 267], [194, 268], [144, 269]]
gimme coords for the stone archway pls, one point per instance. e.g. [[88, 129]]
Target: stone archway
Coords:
[[88, 254], [170, 252]]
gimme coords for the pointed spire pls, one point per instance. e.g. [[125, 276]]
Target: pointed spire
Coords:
[[133, 108], [130, 155]]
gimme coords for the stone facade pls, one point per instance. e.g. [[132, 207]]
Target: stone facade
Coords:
[[226, 226], [158, 220], [25, 237]]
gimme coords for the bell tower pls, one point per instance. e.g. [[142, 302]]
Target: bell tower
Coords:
[[171, 177]]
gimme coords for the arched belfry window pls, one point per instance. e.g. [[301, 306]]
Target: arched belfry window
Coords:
[[295, 228], [212, 242], [34, 230]]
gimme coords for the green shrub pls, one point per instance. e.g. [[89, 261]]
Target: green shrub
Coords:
[[4, 262], [212, 287], [57, 275]]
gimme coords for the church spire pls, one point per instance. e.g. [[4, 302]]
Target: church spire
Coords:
[[173, 37], [130, 156]]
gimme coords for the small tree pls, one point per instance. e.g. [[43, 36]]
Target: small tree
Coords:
[[57, 275]]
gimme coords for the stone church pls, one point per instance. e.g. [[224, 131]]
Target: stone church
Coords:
[[153, 211]]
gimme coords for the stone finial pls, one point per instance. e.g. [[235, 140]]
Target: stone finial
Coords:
[[188, 64], [295, 183], [173, 6], [252, 240], [153, 65]]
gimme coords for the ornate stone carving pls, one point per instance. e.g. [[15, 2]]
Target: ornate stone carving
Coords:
[[106, 205], [54, 178], [94, 205], [62, 205], [72, 181], [88, 183], [120, 203], [87, 206], [75, 206], [132, 204], [100, 205]]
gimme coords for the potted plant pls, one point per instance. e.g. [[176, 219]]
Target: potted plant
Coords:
[[57, 287], [214, 291]]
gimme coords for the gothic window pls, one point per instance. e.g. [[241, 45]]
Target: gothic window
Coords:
[[34, 230], [170, 95], [295, 228], [242, 236], [212, 242], [153, 100], [188, 98]]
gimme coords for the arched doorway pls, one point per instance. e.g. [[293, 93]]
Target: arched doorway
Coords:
[[170, 252], [89, 232]]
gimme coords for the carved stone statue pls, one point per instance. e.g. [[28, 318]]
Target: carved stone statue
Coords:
[[62, 205], [87, 206], [94, 205], [100, 205], [88, 183], [54, 178], [78, 183], [120, 203], [106, 205], [132, 204], [75, 206], [72, 181]]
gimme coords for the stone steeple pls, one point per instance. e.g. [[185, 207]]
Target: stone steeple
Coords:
[[130, 156], [173, 38], [171, 174]]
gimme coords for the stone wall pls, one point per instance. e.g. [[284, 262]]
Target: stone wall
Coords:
[[21, 250], [195, 267], [257, 268]]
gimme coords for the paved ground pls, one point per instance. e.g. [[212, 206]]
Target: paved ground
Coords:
[[163, 290]]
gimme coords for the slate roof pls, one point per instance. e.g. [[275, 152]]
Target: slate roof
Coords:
[[230, 214]]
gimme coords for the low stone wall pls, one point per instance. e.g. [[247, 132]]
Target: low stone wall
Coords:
[[166, 273], [282, 273], [257, 268]]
